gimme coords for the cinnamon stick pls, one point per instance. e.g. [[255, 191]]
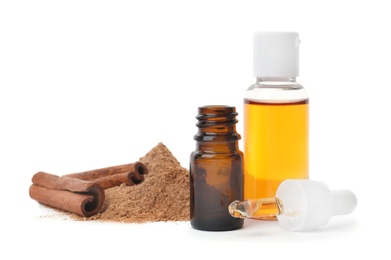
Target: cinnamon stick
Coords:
[[128, 178], [81, 197], [137, 169], [83, 192]]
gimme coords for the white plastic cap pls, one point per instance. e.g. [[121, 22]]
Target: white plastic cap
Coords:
[[310, 204], [276, 54]]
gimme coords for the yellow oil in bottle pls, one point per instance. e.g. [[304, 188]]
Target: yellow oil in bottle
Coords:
[[275, 146]]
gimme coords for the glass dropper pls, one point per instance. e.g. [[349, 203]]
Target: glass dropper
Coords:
[[298, 205]]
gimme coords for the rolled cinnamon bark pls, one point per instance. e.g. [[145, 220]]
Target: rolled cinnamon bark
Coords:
[[128, 178], [138, 168], [81, 197], [83, 193]]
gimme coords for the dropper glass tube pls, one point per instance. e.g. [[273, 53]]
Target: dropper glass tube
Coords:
[[265, 208]]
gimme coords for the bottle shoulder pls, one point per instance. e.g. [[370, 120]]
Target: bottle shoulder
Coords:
[[276, 92], [216, 155]]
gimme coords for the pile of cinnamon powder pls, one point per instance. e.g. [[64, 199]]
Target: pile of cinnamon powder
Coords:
[[164, 195]]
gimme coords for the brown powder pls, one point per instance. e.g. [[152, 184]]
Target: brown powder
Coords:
[[164, 195]]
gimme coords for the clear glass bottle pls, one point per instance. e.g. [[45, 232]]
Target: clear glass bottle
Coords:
[[216, 170], [275, 117]]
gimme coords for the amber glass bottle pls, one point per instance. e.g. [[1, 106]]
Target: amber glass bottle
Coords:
[[216, 170]]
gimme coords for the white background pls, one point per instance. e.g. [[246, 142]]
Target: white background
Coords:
[[90, 84]]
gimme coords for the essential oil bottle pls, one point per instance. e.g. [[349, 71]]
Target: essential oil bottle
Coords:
[[275, 116], [216, 170]]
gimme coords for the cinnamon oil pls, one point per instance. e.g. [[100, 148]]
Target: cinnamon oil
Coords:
[[276, 145]]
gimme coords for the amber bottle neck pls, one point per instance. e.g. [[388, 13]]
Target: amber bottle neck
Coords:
[[217, 129]]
